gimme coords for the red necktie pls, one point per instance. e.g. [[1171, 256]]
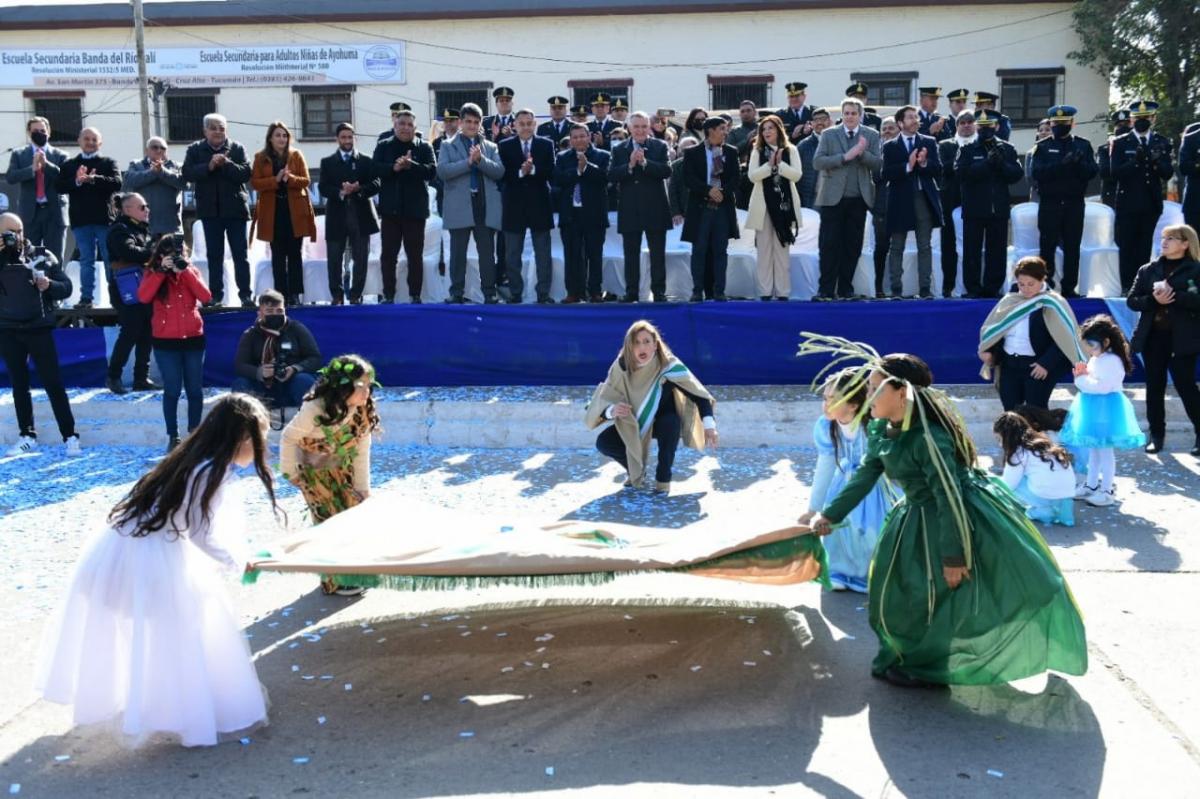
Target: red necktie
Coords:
[[39, 181]]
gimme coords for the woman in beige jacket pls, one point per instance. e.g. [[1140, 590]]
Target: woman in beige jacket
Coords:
[[774, 206]]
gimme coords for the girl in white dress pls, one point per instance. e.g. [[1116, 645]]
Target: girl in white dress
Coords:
[[147, 639]]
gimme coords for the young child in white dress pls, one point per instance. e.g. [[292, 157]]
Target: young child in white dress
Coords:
[[1039, 471], [147, 639]]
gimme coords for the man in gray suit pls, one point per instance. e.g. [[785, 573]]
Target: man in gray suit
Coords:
[[469, 166], [35, 168], [847, 157], [160, 181]]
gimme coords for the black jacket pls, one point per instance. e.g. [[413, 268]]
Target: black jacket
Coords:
[[1140, 171], [91, 203], [593, 187], [984, 178], [643, 198], [1062, 168], [1189, 170], [220, 193], [695, 178], [296, 347], [404, 193], [1184, 313], [22, 306], [335, 172], [1045, 352], [526, 197], [950, 183], [128, 243]]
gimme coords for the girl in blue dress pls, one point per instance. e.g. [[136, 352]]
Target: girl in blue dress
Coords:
[[840, 439]]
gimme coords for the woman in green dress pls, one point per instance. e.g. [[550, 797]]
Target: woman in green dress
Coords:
[[962, 589]]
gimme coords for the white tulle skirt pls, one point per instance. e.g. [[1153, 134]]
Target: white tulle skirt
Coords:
[[147, 642]]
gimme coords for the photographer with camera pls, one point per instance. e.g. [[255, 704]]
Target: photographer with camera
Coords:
[[278, 357], [129, 248], [31, 285], [985, 169], [175, 290], [1140, 163]]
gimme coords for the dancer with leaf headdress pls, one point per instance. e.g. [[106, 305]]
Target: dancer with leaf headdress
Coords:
[[963, 589]]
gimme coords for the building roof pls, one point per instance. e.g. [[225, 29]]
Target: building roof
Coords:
[[243, 12]]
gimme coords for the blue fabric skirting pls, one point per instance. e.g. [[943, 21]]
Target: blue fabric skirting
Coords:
[[1099, 421]]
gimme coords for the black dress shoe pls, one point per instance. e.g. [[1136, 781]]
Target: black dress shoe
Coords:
[[926, 295], [491, 299], [414, 300], [720, 298], [882, 295], [660, 297], [696, 297], [545, 299], [146, 384], [822, 298], [782, 299], [765, 299], [456, 299], [1196, 449], [356, 300], [83, 305], [114, 385], [248, 303], [338, 300], [1154, 447], [386, 299], [596, 298], [629, 298]]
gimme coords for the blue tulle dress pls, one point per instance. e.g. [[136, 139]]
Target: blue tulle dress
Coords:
[[1101, 416], [852, 544]]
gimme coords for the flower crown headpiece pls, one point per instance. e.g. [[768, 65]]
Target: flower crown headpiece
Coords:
[[340, 372]]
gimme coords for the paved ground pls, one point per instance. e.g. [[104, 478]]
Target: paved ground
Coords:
[[614, 705]]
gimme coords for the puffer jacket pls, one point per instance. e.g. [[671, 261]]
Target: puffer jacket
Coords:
[[176, 300]]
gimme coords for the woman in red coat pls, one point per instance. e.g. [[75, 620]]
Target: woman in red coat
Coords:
[[174, 289], [284, 215]]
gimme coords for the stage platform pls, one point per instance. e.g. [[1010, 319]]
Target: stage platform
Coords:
[[729, 343]]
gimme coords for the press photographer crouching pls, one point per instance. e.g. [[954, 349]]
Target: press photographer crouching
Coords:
[[276, 358], [130, 250], [31, 285], [175, 291]]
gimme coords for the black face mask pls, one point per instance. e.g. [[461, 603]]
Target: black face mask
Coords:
[[986, 133], [1121, 130], [274, 321], [1141, 125], [39, 138], [1060, 131]]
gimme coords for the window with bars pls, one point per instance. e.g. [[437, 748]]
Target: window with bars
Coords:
[[582, 95], [65, 115], [1025, 99], [321, 113], [456, 95], [887, 88], [723, 96], [185, 115]]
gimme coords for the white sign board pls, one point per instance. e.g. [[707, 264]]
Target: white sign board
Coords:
[[290, 64]]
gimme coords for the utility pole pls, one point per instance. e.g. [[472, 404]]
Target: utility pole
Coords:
[[158, 87], [143, 89]]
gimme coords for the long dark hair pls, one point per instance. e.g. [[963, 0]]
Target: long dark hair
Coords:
[[155, 500], [269, 149], [850, 388], [1104, 328], [1016, 434], [690, 125], [335, 384], [904, 367], [1043, 420]]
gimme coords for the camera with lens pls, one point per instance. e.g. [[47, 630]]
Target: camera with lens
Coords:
[[171, 250]]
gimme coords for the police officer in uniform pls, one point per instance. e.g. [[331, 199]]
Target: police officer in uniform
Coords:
[[558, 126], [932, 123], [986, 101], [396, 108], [957, 98], [1063, 165], [985, 168], [620, 110], [952, 197], [1189, 170], [499, 125], [1140, 161], [858, 90], [797, 117], [1122, 124], [449, 130], [579, 114], [602, 125]]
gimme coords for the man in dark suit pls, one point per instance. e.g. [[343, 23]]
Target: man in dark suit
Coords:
[[932, 123], [986, 168], [641, 168], [986, 101], [217, 168], [1122, 124], [911, 167], [952, 197], [870, 118], [808, 148], [797, 118], [711, 175], [1063, 165], [602, 125], [1140, 163], [581, 175], [90, 180], [35, 168], [499, 126], [405, 165], [348, 182], [557, 126], [528, 172], [1189, 170]]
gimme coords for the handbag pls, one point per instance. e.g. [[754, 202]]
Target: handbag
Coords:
[[128, 280]]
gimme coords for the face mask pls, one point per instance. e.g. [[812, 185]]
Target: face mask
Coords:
[[1141, 125], [274, 321], [1120, 130], [1060, 131], [986, 133], [39, 138]]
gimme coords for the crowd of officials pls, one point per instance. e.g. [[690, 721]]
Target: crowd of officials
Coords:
[[503, 177]]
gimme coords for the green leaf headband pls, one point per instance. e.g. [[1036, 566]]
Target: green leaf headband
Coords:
[[339, 372]]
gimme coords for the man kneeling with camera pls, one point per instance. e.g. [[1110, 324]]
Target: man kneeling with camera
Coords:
[[31, 285], [277, 357]]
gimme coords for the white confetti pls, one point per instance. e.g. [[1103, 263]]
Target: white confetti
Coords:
[[749, 663], [506, 669], [465, 633], [293, 644], [994, 773], [326, 676], [767, 652], [295, 668], [320, 719], [62, 758], [501, 635], [466, 734], [299, 761], [628, 617], [697, 668], [309, 677], [14, 789], [545, 665], [426, 697], [549, 771], [540, 649], [348, 686], [381, 640], [546, 637], [244, 741]]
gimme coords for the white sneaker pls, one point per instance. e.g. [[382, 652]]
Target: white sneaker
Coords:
[[1085, 491], [24, 444], [73, 447], [1101, 499]]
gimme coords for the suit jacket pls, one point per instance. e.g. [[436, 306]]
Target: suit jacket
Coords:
[[91, 203], [643, 201], [902, 185], [20, 172], [808, 175], [1140, 177], [985, 181], [695, 179], [1189, 170], [527, 197], [951, 184], [404, 193], [455, 171], [1108, 184], [161, 188], [605, 130], [593, 187], [835, 173], [547, 130], [1059, 180], [335, 172], [300, 210], [928, 120], [220, 193], [792, 118], [503, 120], [1183, 314]]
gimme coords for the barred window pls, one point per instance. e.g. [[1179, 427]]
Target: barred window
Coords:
[[185, 115], [65, 115], [321, 113], [456, 95], [729, 92]]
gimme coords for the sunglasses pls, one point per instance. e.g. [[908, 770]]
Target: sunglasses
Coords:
[[1171, 238], [143, 207]]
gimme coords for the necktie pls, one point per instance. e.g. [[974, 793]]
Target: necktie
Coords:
[[849, 134], [577, 195], [525, 147], [908, 143], [39, 183]]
